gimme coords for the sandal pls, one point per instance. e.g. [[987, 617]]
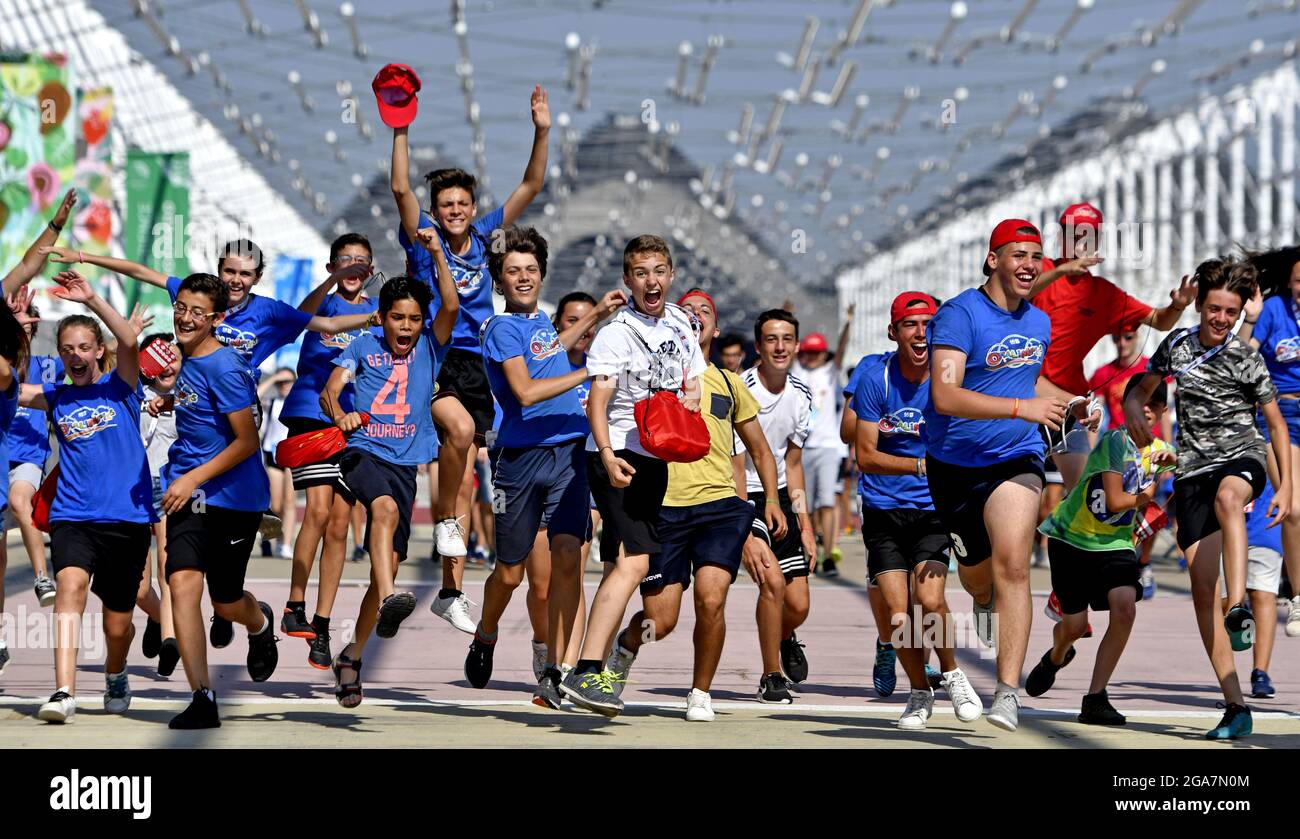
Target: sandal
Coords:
[[349, 695]]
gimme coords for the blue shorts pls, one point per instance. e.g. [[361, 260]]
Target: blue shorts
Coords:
[[713, 533], [1290, 409], [158, 493], [539, 487]]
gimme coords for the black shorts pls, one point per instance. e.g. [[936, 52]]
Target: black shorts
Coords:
[[960, 493], [788, 550], [712, 533], [217, 542], [114, 554], [464, 377], [630, 515], [900, 540], [325, 473], [1083, 579], [1194, 498], [371, 478]]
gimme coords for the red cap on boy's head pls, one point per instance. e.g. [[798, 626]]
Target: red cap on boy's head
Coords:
[[698, 292], [396, 86], [1008, 231], [911, 303], [1081, 215], [814, 342]]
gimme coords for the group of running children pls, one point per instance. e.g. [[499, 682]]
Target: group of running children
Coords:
[[950, 432]]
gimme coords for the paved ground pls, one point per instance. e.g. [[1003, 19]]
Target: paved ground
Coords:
[[416, 694]]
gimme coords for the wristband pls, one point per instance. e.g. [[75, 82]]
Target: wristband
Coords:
[[1252, 322], [602, 448], [81, 257], [920, 467], [771, 502], [1015, 409], [55, 227]]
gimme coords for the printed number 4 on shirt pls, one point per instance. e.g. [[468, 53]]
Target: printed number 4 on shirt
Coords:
[[398, 409]]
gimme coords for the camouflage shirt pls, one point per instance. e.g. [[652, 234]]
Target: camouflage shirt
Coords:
[[1215, 399]]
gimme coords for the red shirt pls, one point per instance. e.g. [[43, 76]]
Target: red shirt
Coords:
[[1083, 310], [1109, 382]]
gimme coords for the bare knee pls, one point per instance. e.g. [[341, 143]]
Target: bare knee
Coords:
[[384, 511], [460, 431], [1123, 612]]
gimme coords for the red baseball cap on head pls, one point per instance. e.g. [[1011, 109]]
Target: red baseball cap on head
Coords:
[[911, 303], [1007, 232], [396, 86], [814, 342], [1081, 215]]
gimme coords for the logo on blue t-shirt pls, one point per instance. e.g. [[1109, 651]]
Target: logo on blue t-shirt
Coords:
[[184, 394], [467, 281], [86, 421], [238, 340], [1015, 351], [1287, 350], [902, 421], [544, 343]]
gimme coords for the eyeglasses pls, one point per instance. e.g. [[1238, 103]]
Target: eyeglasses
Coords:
[[183, 311], [352, 260]]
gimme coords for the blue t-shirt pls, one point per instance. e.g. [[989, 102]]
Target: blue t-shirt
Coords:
[[1258, 533], [257, 327], [897, 407], [1279, 342], [208, 388], [8, 407], [103, 469], [316, 361], [396, 393], [1004, 351], [469, 270], [29, 438], [549, 423], [584, 389]]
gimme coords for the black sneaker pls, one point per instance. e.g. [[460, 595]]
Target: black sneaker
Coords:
[[775, 689], [1043, 676], [169, 653], [358, 553], [202, 713], [319, 655], [793, 661], [221, 633], [152, 638], [294, 623], [478, 663], [547, 694], [596, 691], [829, 568], [396, 608], [266, 548], [1097, 710], [262, 654]]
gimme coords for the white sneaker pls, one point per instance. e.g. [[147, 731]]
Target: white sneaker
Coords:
[[984, 622], [449, 539], [62, 707], [965, 701], [117, 693], [285, 551], [1005, 713], [1293, 619], [620, 663], [920, 707], [455, 611], [699, 706], [539, 660]]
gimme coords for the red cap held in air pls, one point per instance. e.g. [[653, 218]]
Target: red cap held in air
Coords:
[[911, 303], [396, 86], [1007, 232], [814, 342], [1081, 215]]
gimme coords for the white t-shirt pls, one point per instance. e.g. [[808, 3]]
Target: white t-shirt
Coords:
[[273, 431], [785, 418], [827, 395], [663, 357]]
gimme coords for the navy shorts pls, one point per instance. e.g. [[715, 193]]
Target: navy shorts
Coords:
[[539, 487], [960, 493], [713, 533], [370, 478]]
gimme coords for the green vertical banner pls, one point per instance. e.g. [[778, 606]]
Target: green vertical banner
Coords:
[[157, 215]]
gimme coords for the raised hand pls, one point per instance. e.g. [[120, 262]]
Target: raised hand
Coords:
[[1185, 294], [65, 208], [140, 319], [19, 302], [610, 303], [541, 107], [73, 287]]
